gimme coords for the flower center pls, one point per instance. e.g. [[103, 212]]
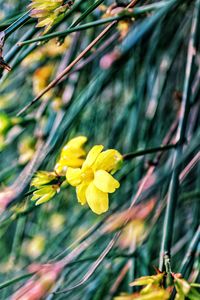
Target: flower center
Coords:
[[88, 175]]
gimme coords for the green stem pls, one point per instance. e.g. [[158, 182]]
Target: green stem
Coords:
[[148, 151], [18, 23], [70, 30], [8, 22], [14, 280], [73, 28], [86, 13], [168, 226], [191, 252]]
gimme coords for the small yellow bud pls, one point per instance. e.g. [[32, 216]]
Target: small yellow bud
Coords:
[[35, 247], [56, 222]]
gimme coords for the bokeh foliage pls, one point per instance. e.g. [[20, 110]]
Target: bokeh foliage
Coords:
[[130, 91]]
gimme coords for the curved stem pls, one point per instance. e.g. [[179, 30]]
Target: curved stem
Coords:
[[148, 151]]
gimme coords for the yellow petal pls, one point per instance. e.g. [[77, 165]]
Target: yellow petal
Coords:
[[145, 280], [41, 192], [92, 155], [108, 160], [44, 198], [72, 152], [63, 163], [105, 182], [81, 193], [42, 177], [77, 142], [41, 196], [73, 176], [44, 22], [96, 199]]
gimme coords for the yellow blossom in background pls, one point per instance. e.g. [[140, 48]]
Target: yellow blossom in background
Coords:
[[132, 233], [51, 49], [93, 181], [41, 79], [5, 123], [48, 12], [35, 247], [102, 7], [135, 230], [26, 149], [56, 222], [123, 27], [57, 103], [72, 155]]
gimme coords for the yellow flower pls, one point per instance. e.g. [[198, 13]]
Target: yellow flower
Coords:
[[50, 49], [48, 12], [137, 213], [148, 280], [151, 283], [56, 222], [41, 79], [44, 193], [123, 27], [93, 181], [43, 177], [35, 247], [152, 290], [154, 294], [132, 233], [26, 149], [72, 155], [5, 123]]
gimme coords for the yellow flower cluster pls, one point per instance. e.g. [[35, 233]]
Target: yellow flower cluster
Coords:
[[91, 175], [154, 289], [48, 12], [46, 190]]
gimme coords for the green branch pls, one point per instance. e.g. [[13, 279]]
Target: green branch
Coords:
[[148, 151]]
